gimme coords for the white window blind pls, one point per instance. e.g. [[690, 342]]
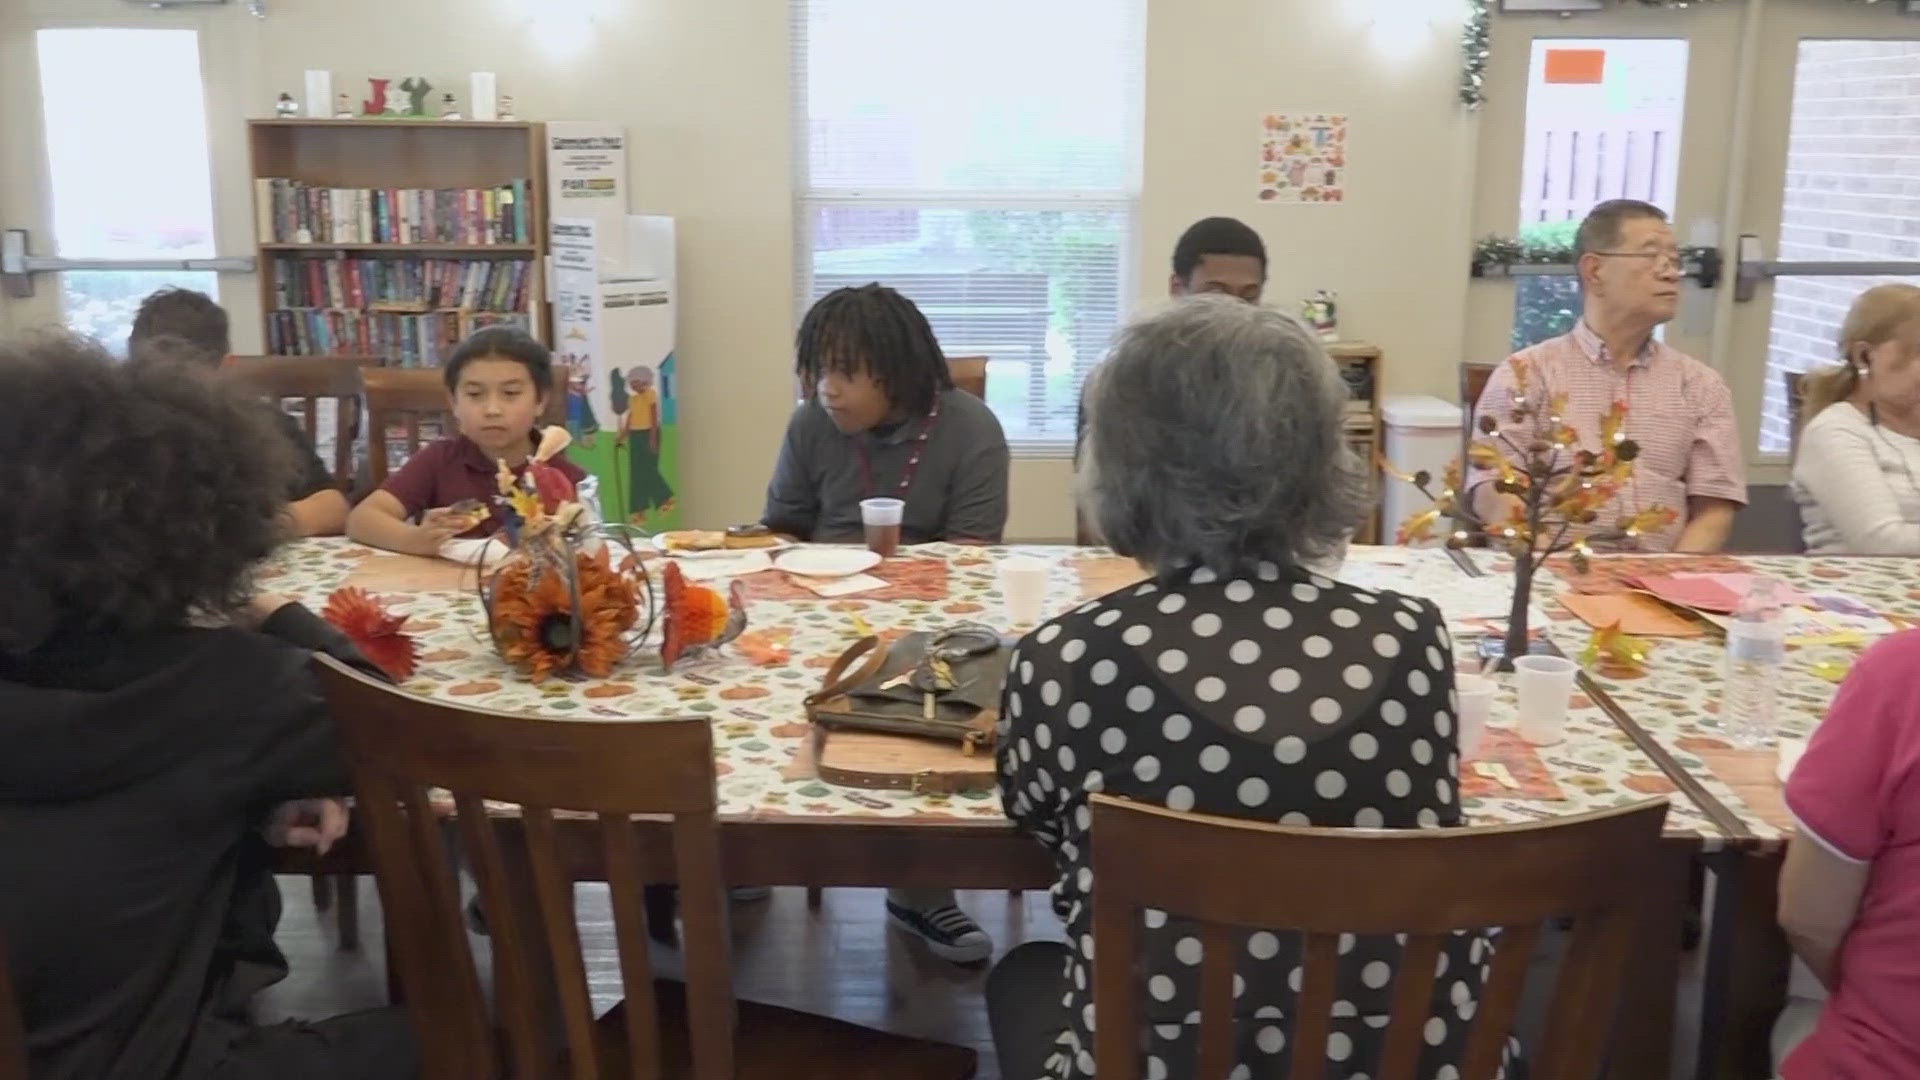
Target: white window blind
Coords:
[[983, 158]]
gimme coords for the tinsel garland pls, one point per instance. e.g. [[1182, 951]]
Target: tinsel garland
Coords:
[[1476, 41], [1506, 251]]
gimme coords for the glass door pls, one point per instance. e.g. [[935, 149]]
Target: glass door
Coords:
[[109, 191], [1834, 205]]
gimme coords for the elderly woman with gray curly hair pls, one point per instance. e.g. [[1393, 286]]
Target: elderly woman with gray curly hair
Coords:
[[1238, 681]]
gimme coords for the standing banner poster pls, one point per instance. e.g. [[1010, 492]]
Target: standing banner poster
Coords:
[[613, 328]]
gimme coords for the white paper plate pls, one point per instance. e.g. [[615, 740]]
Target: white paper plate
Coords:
[[659, 544], [827, 562]]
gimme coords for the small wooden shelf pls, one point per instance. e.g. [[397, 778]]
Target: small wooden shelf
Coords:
[[522, 250]]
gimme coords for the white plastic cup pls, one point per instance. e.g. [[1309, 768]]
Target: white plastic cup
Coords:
[[881, 518], [1544, 685], [1023, 582], [1476, 693], [881, 511]]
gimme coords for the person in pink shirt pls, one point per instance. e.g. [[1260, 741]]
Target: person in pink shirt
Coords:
[[1679, 410], [1850, 891]]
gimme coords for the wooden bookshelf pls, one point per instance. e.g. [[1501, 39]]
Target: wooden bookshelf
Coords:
[[399, 156]]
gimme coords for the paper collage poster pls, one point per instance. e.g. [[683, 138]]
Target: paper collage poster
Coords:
[[1303, 158]]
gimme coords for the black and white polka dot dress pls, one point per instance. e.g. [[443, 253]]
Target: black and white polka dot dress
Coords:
[[1279, 696]]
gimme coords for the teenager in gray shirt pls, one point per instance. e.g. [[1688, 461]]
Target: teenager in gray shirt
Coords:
[[882, 418]]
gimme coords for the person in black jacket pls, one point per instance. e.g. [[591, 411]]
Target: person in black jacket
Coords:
[[158, 729]]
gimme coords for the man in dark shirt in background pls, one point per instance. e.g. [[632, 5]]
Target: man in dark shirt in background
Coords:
[[183, 326], [882, 419]]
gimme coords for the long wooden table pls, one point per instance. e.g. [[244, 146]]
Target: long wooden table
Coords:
[[782, 826]]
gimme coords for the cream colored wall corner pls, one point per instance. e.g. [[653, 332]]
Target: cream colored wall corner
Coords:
[[703, 90]]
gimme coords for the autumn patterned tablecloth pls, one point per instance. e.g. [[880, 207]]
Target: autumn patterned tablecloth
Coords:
[[757, 714], [1677, 696]]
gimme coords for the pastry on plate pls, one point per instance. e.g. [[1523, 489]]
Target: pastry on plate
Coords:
[[750, 536], [692, 540]]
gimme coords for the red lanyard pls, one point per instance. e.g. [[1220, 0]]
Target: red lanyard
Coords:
[[913, 459]]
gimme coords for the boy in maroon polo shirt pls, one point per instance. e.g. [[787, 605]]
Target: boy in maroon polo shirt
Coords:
[[497, 383]]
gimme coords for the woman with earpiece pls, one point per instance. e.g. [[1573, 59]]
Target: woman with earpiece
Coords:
[[1856, 472]]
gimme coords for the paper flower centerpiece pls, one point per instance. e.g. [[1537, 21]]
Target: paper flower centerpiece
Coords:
[[375, 631], [698, 618], [566, 598]]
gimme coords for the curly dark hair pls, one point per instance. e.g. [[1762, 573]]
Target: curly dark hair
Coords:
[[876, 330], [139, 495]]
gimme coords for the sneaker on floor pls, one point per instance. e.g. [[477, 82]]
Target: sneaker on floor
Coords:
[[950, 933], [747, 894]]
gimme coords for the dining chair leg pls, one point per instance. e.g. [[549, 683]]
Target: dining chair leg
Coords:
[[814, 896], [347, 890], [322, 892]]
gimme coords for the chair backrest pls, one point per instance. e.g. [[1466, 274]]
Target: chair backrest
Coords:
[[400, 746], [1237, 876], [398, 399], [969, 374], [13, 1033], [1796, 408], [310, 380]]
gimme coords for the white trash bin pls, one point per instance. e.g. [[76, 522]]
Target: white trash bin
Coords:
[[1422, 433]]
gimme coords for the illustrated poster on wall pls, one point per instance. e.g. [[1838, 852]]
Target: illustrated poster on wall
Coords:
[[1303, 158]]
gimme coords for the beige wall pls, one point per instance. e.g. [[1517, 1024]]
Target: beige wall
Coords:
[[703, 89]]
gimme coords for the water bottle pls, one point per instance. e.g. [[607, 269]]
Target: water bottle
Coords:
[[1756, 651]]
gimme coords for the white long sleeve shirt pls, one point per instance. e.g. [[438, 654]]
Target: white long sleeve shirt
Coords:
[[1858, 486]]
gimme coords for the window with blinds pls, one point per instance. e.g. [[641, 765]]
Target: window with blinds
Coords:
[[983, 158]]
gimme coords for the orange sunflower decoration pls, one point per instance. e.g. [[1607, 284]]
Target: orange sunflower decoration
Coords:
[[374, 630], [539, 630], [698, 618]]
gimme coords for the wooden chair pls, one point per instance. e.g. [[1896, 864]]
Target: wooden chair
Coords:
[[400, 398], [1796, 409], [1473, 383], [13, 1032], [1230, 875], [399, 746], [969, 374], [311, 379]]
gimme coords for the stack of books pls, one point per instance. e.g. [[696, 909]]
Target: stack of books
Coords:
[[290, 212], [402, 285]]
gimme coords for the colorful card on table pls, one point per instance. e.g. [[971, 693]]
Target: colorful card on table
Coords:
[[904, 579], [1635, 613], [1715, 592]]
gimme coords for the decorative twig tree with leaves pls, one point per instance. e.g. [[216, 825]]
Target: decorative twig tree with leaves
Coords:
[[1553, 491]]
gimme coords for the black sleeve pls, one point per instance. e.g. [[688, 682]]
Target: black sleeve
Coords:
[[793, 500], [297, 755], [313, 476]]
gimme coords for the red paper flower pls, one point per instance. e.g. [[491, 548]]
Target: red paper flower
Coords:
[[374, 630]]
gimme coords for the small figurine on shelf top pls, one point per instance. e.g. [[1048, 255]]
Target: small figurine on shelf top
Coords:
[[1321, 313], [376, 101], [448, 110], [506, 107], [343, 107], [416, 89], [286, 107]]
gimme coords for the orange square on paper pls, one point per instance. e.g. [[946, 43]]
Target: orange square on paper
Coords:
[[1576, 66]]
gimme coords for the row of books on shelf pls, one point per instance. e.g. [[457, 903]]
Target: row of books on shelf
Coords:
[[407, 285], [290, 212], [405, 340]]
